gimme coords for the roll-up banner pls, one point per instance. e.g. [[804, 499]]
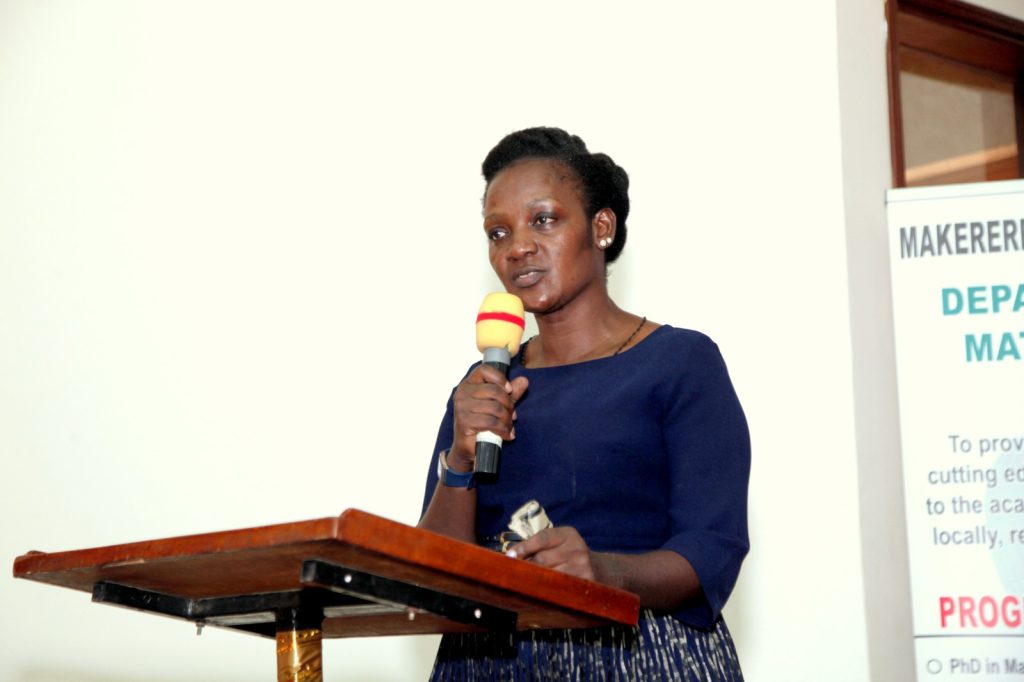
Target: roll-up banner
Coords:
[[957, 258]]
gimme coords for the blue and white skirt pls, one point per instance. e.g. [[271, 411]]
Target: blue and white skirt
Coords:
[[658, 648]]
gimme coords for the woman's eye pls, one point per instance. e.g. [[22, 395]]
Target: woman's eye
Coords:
[[544, 219], [496, 233]]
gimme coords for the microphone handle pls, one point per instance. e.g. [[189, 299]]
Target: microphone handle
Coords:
[[488, 444]]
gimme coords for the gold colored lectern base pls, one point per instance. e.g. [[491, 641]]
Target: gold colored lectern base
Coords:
[[300, 656], [300, 645]]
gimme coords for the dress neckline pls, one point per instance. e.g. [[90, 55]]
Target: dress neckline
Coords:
[[624, 353]]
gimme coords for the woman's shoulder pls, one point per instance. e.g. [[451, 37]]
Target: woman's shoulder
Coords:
[[677, 354], [676, 340]]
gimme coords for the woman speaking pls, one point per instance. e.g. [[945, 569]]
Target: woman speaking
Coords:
[[628, 433]]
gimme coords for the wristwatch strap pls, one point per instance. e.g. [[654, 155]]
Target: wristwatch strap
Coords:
[[453, 479]]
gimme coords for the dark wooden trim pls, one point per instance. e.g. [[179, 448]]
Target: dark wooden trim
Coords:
[[1018, 109], [963, 16], [950, 70], [980, 50], [895, 110], [954, 30]]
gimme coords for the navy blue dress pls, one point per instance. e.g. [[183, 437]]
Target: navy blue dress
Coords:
[[640, 451]]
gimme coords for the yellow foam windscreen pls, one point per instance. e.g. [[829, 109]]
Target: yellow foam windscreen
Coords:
[[500, 322]]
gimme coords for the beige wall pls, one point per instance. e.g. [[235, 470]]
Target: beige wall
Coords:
[[866, 175], [1011, 8]]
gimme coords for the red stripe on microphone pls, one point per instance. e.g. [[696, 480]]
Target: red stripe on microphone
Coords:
[[503, 317]]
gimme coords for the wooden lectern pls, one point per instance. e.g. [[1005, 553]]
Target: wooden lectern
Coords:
[[352, 576]]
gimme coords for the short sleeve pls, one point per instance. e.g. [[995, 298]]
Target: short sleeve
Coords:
[[708, 446]]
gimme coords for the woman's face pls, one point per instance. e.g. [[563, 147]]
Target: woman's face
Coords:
[[542, 245]]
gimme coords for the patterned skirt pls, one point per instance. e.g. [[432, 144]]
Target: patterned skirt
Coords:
[[658, 648]]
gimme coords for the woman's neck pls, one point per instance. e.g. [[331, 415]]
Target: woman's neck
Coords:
[[579, 332]]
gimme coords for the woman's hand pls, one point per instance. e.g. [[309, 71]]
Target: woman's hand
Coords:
[[560, 548], [663, 579], [484, 401]]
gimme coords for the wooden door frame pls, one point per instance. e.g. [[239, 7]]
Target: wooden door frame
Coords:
[[956, 31]]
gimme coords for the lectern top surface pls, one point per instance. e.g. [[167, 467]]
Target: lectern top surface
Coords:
[[269, 559]]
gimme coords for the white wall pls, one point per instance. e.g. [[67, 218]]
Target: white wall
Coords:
[[210, 212], [866, 175]]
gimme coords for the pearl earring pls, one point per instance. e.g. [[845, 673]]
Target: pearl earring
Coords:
[[604, 243]]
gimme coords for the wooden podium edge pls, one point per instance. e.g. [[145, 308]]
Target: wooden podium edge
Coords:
[[461, 559], [365, 531], [35, 562]]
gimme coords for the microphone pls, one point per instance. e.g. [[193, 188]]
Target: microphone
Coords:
[[499, 331]]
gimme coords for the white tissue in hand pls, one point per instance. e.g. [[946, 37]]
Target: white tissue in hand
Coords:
[[529, 520]]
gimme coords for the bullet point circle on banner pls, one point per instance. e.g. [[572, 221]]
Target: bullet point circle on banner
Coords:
[[934, 666]]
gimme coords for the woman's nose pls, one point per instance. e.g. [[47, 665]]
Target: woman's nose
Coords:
[[523, 243]]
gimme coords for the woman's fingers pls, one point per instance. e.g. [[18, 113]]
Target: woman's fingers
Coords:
[[560, 548], [485, 401], [519, 386]]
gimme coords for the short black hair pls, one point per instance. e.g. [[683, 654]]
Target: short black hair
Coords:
[[604, 184]]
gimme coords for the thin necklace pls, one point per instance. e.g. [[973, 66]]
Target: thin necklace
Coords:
[[643, 321], [635, 332]]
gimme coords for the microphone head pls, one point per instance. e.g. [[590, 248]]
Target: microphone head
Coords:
[[500, 322]]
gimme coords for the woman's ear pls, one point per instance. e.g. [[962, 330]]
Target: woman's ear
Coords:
[[603, 228]]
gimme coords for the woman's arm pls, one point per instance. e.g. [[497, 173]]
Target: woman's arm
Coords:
[[451, 512], [663, 579], [484, 401]]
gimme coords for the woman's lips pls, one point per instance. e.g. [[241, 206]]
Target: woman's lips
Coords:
[[527, 277]]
